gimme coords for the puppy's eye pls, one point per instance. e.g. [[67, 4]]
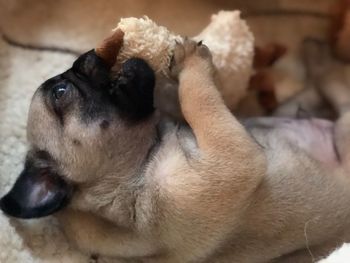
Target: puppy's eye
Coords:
[[59, 91]]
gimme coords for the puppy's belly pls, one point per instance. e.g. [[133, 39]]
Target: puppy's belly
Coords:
[[313, 136]]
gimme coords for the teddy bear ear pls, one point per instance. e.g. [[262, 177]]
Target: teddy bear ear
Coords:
[[110, 46]]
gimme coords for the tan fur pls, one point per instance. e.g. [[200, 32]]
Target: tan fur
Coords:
[[214, 195]]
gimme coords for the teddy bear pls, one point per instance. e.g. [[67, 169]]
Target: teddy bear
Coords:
[[227, 36]]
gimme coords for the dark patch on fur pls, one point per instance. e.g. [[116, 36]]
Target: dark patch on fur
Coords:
[[94, 258], [104, 124], [76, 142], [302, 113]]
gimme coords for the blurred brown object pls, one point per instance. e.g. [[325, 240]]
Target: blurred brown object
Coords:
[[80, 25], [262, 81], [340, 29], [267, 55], [109, 48], [263, 84]]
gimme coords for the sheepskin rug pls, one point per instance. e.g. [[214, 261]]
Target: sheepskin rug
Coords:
[[21, 73], [79, 25]]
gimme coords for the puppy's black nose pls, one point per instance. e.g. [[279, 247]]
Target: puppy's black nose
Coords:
[[9, 206], [36, 194]]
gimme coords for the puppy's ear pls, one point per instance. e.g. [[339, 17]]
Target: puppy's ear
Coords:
[[95, 65], [91, 67], [132, 91], [36, 193]]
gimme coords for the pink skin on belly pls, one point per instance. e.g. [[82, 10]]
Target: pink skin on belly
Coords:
[[315, 136]]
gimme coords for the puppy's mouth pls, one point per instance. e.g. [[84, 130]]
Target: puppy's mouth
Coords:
[[36, 193]]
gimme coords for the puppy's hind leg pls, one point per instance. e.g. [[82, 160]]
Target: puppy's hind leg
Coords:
[[329, 76]]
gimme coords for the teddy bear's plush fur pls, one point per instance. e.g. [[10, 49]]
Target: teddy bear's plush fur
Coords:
[[227, 36]]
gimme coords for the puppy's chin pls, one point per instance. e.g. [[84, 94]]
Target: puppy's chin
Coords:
[[36, 195]]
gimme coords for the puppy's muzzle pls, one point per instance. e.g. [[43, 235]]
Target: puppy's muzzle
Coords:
[[36, 194]]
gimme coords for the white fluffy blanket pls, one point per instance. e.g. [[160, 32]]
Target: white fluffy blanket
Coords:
[[20, 74]]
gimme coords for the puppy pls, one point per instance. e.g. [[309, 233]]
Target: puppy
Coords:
[[127, 185]]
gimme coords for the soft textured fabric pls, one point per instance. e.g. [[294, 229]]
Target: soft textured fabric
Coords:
[[227, 35]]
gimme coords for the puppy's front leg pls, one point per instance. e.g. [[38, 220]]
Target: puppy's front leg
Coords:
[[225, 146], [214, 185], [95, 235]]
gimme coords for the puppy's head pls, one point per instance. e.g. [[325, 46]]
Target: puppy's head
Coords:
[[82, 126]]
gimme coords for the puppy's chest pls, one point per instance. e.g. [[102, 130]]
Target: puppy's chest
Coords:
[[178, 146]]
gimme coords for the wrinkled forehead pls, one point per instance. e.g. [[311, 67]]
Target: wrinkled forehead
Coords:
[[89, 103], [88, 73], [41, 124]]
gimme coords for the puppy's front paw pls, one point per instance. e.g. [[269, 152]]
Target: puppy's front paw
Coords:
[[191, 55]]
